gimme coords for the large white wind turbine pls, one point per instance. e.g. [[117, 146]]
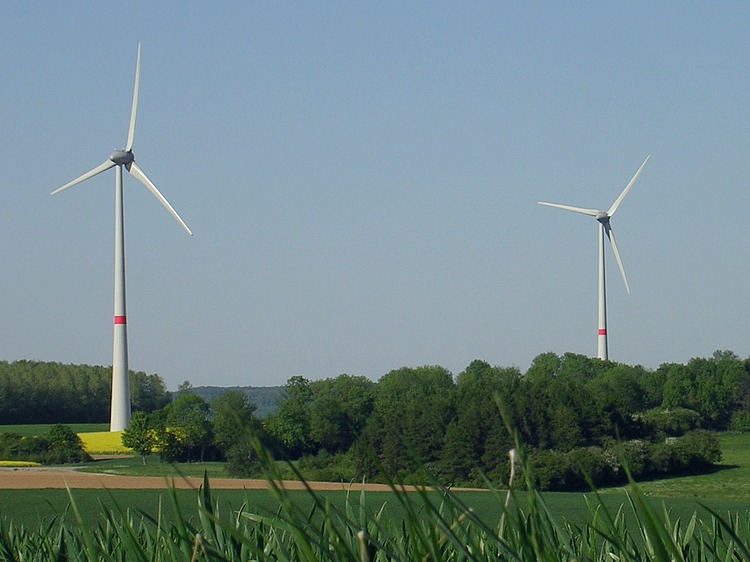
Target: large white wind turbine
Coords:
[[120, 407], [605, 229]]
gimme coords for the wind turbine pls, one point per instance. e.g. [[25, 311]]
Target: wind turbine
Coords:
[[605, 228], [119, 159]]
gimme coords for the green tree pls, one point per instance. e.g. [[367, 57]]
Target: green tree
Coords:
[[719, 382], [679, 387], [139, 436], [652, 388], [234, 428], [186, 431], [233, 413], [148, 392], [582, 367], [339, 410], [532, 406], [476, 441], [290, 424], [544, 366], [411, 411], [186, 387], [617, 396], [65, 446]]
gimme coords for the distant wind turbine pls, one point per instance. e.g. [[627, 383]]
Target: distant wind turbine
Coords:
[[605, 229], [120, 406]]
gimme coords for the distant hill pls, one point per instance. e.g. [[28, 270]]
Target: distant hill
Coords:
[[264, 397]]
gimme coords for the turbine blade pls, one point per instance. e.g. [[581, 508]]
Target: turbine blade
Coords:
[[136, 171], [134, 109], [590, 212], [616, 204], [611, 235], [103, 167]]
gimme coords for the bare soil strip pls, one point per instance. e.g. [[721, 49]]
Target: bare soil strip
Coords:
[[44, 478]]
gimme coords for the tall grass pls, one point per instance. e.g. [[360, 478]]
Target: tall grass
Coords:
[[434, 525], [437, 526]]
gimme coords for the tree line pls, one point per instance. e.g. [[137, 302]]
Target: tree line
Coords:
[[33, 392], [577, 417]]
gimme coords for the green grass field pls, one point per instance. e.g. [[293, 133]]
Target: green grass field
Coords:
[[731, 482], [727, 489], [33, 507], [133, 466]]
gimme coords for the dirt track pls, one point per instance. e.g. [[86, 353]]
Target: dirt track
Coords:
[[42, 478]]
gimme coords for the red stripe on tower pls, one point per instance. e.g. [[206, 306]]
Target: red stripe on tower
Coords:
[[120, 320], [602, 331]]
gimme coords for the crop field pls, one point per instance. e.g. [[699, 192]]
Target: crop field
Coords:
[[103, 442], [32, 507], [727, 489]]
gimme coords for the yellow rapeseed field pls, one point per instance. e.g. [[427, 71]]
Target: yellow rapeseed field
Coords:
[[17, 464], [103, 443]]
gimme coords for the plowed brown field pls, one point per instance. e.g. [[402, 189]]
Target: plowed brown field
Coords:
[[41, 478]]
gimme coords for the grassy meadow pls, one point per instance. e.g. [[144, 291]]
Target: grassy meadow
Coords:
[[33, 507], [132, 465], [731, 482], [726, 489]]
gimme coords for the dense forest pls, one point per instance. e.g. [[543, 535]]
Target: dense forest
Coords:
[[265, 398], [576, 417], [39, 392]]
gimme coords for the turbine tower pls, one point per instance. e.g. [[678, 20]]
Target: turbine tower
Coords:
[[605, 229], [119, 159]]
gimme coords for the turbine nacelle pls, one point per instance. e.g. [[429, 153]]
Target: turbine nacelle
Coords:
[[126, 158], [603, 217], [122, 157]]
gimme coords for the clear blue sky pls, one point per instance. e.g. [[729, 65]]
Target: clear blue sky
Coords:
[[362, 181]]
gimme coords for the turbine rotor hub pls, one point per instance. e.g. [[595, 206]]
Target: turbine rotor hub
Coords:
[[122, 157], [602, 217]]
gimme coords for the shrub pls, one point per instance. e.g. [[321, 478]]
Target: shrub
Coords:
[[696, 451], [329, 468], [632, 455], [549, 470], [703, 446], [671, 422], [60, 446], [590, 464], [242, 461], [740, 421], [661, 459], [10, 445], [65, 446]]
